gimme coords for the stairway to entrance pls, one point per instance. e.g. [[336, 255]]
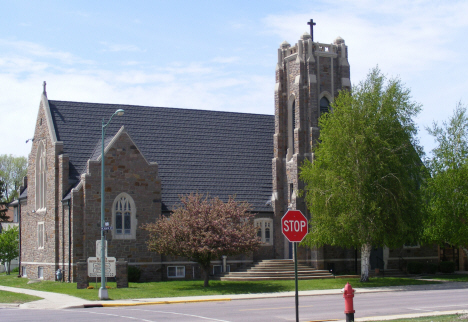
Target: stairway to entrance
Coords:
[[275, 269]]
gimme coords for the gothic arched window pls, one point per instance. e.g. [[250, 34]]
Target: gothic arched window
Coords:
[[291, 127], [41, 177], [124, 217], [324, 105]]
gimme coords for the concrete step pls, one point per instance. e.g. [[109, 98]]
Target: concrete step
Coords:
[[278, 269], [266, 278]]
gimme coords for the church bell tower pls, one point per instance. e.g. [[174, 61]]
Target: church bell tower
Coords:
[[308, 77]]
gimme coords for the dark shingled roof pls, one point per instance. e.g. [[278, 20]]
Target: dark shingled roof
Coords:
[[221, 153]]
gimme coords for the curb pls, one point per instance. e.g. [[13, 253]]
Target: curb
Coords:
[[87, 306]]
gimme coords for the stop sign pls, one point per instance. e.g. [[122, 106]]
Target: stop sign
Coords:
[[294, 226]]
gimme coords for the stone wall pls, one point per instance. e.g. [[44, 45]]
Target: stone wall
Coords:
[[126, 171], [32, 256]]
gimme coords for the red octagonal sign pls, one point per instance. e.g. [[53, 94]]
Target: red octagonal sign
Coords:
[[294, 226]]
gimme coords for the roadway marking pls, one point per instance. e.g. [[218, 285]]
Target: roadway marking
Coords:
[[429, 309], [175, 313], [120, 316], [276, 308]]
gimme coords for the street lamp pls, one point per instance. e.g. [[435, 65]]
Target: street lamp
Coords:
[[103, 294]]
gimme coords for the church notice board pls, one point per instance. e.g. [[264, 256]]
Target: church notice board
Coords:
[[94, 267]]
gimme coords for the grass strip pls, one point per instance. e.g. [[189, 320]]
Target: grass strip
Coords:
[[11, 297], [195, 287], [437, 318]]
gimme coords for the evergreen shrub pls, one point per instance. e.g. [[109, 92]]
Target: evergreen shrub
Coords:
[[430, 268], [447, 267], [415, 267], [134, 273]]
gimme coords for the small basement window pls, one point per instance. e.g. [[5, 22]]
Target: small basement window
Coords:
[[40, 272], [176, 271], [218, 269]]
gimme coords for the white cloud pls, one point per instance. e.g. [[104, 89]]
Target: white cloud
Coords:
[[31, 49], [196, 85]]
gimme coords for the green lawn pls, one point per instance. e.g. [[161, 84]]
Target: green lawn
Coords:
[[450, 277], [439, 318], [195, 287], [10, 297]]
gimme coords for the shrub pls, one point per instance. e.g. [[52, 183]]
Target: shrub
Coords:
[[430, 268], [447, 267], [134, 273], [415, 267], [15, 270]]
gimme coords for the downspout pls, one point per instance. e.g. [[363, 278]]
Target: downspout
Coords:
[[69, 241], [19, 257], [63, 240]]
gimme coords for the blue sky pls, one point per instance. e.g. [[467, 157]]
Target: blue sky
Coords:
[[217, 55]]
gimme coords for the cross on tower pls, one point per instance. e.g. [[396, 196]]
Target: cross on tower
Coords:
[[312, 24], [44, 86]]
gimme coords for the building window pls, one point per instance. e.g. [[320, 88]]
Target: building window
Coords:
[[176, 271], [124, 217], [41, 177], [324, 105], [24, 273], [218, 269], [40, 235], [265, 230], [291, 126], [15, 214], [40, 272], [411, 245]]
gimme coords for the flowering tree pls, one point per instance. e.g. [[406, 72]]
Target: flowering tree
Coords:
[[203, 229]]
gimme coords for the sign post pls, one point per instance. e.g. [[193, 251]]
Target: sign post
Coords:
[[294, 227]]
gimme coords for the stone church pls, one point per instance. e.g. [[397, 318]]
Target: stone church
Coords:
[[153, 155]]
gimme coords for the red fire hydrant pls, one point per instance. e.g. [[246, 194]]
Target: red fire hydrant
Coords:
[[348, 294]]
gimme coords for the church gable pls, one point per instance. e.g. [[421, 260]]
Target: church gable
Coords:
[[132, 198]]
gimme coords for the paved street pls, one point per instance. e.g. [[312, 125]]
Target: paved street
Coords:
[[324, 307]]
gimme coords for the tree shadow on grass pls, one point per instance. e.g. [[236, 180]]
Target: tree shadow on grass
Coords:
[[235, 287]]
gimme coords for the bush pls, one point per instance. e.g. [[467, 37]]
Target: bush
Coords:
[[415, 267], [430, 268], [447, 267], [15, 270], [134, 274]]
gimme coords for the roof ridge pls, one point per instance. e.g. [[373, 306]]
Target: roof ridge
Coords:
[[163, 107]]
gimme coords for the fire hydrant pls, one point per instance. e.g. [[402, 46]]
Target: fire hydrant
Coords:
[[348, 294]]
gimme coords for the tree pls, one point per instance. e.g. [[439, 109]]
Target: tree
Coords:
[[12, 171], [446, 191], [203, 229], [9, 246], [3, 205], [363, 188]]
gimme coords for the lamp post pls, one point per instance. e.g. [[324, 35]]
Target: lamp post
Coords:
[[103, 294]]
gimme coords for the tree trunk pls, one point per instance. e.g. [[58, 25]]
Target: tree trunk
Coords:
[[365, 261], [7, 267], [206, 275]]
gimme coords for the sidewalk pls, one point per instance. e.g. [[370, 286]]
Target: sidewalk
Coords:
[[61, 301]]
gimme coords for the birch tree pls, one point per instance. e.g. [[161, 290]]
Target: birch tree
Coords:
[[362, 187], [446, 191], [204, 229]]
